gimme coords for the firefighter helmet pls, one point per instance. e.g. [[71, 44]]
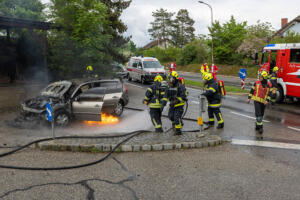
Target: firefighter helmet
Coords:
[[208, 76], [275, 69], [264, 74], [174, 74], [158, 78], [89, 68]]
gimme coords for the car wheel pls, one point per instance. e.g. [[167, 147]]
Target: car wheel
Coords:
[[62, 118], [118, 109], [129, 78], [279, 95]]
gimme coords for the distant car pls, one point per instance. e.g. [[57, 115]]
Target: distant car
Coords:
[[144, 69], [80, 99], [120, 70]]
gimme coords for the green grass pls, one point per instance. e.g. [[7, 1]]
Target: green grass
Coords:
[[231, 89], [229, 70]]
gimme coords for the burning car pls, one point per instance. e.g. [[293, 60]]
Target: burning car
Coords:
[[78, 99]]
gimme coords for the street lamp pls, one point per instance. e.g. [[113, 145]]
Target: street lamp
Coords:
[[212, 38]]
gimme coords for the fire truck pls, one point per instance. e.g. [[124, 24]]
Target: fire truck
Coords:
[[287, 58]]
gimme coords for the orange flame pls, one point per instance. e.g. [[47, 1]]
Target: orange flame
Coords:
[[106, 119]]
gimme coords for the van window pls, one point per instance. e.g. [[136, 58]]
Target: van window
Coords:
[[152, 64], [295, 56]]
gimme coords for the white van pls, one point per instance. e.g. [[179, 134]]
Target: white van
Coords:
[[144, 69]]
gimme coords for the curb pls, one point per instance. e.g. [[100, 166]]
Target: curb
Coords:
[[207, 141]]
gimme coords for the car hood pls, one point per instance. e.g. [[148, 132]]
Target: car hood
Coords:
[[38, 103]]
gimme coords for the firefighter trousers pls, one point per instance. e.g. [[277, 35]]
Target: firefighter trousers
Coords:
[[259, 113], [155, 114], [217, 112], [175, 114]]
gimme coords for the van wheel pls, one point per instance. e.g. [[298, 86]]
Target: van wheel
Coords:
[[129, 78], [279, 95], [143, 81]]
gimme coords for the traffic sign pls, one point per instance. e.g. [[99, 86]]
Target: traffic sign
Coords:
[[49, 112], [242, 73]]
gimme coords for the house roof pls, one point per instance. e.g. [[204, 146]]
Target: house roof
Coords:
[[154, 43], [287, 26], [10, 22]]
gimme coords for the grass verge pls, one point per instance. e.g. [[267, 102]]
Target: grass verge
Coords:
[[231, 89]]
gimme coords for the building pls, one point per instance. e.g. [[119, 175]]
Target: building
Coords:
[[292, 26], [164, 43]]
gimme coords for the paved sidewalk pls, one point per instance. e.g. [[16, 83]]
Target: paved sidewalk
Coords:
[[144, 142]]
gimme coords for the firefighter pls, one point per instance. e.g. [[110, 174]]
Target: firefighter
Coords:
[[153, 98], [213, 96], [273, 80], [89, 71], [260, 93], [204, 69], [172, 66], [176, 95]]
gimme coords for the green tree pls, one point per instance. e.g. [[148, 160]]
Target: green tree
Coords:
[[289, 37], [162, 25], [227, 38], [183, 30], [31, 9]]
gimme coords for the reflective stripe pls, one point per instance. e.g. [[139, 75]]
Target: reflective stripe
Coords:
[[214, 105], [155, 124], [255, 98], [154, 105], [212, 89], [211, 119], [179, 98], [165, 99], [253, 87], [178, 126], [150, 90], [274, 78], [147, 98], [259, 123], [221, 121], [179, 104]]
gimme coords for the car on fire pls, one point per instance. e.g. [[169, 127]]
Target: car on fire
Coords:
[[78, 99]]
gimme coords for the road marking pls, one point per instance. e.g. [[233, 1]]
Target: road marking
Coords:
[[135, 85], [247, 116], [231, 97], [279, 145], [198, 90], [293, 128]]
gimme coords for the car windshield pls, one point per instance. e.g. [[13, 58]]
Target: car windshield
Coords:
[[152, 64]]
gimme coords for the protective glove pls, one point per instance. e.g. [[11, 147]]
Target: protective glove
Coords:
[[145, 102]]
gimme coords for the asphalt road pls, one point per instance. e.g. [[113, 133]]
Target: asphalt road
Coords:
[[230, 171]]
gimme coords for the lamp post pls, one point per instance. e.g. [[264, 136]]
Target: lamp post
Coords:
[[212, 37]]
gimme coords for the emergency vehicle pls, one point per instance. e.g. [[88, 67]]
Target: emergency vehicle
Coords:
[[287, 58], [144, 69]]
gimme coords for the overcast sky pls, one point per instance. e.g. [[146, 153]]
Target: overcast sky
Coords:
[[139, 15]]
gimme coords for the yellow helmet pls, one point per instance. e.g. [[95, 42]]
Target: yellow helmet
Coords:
[[174, 74], [89, 68], [275, 69], [264, 74], [158, 78], [207, 76]]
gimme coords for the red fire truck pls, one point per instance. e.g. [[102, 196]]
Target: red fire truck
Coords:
[[287, 58]]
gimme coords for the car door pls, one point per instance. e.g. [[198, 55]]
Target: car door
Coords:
[[88, 104], [112, 96]]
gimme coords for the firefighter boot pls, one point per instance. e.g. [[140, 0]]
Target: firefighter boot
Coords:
[[178, 131], [221, 125], [159, 130]]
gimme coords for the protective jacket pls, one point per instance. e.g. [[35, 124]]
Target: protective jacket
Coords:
[[260, 91], [273, 80], [212, 94], [204, 69], [153, 95], [176, 95]]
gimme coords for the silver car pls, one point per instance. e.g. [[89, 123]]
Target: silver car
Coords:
[[77, 99]]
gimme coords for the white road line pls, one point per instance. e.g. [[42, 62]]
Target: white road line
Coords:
[[293, 128], [135, 85], [247, 116], [231, 97], [193, 89], [279, 145]]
